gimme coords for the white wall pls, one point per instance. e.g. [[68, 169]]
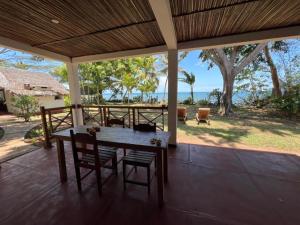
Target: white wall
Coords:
[[50, 102], [46, 101]]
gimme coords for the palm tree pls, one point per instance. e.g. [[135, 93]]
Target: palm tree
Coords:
[[189, 78], [163, 70]]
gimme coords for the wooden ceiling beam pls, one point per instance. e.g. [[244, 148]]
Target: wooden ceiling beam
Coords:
[[163, 15], [121, 54], [242, 39], [15, 45], [218, 42]]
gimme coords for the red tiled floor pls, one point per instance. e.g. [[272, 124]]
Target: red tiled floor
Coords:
[[208, 185]]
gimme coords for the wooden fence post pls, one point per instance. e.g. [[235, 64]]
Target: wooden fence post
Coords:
[[47, 143]]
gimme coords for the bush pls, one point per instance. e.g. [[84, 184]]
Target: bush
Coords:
[[289, 103], [187, 101], [67, 100], [27, 105], [204, 102], [215, 95]]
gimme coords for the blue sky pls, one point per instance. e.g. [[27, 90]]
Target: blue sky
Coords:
[[206, 80]]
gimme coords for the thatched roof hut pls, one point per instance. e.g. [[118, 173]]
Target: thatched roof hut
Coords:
[[23, 82]]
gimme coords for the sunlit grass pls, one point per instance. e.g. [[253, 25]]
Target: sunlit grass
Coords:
[[252, 132]]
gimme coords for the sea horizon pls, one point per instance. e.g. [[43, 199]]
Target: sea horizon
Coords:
[[181, 96]]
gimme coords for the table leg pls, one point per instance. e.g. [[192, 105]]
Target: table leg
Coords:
[[61, 160], [165, 156], [160, 178]]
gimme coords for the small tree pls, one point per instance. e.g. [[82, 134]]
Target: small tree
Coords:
[[189, 78], [216, 94], [27, 105]]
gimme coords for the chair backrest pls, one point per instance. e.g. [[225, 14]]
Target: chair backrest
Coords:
[[145, 127], [115, 122], [86, 144], [181, 112], [203, 113]]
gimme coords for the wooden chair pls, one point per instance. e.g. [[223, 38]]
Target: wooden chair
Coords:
[[139, 159], [203, 115], [114, 122], [87, 155], [182, 114]]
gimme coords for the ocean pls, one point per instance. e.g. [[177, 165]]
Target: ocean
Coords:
[[238, 97]]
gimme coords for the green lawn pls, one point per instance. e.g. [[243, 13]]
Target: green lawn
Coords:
[[246, 130]]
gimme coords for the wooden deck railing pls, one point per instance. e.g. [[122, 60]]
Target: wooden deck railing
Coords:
[[55, 119]]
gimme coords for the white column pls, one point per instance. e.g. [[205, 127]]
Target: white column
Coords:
[[172, 94], [75, 95]]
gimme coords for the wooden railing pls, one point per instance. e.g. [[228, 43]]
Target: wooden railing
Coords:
[[131, 114], [55, 119]]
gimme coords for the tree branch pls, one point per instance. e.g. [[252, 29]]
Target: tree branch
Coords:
[[248, 59]]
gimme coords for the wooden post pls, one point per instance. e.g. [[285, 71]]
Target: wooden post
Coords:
[[104, 115], [172, 94], [74, 86], [47, 143], [71, 111], [101, 115], [133, 116], [128, 117], [50, 121]]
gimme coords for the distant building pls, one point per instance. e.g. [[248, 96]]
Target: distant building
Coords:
[[15, 82]]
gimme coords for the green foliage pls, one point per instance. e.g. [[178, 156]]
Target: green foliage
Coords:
[[203, 102], [67, 100], [289, 103], [1, 132], [61, 73], [216, 96], [189, 78], [35, 132], [27, 105], [254, 84], [187, 101]]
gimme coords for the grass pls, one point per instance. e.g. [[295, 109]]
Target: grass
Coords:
[[248, 128], [254, 129]]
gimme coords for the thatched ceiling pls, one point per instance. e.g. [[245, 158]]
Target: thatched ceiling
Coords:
[[198, 19], [100, 26]]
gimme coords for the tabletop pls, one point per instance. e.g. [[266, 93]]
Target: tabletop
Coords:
[[121, 137]]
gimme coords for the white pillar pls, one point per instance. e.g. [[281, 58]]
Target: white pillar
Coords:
[[75, 95], [172, 94]]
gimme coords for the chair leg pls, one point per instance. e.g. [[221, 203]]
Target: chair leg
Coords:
[[155, 165], [78, 178], [115, 165], [148, 179], [99, 182], [124, 175]]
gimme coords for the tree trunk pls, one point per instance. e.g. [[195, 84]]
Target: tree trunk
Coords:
[[274, 73], [192, 94], [226, 100], [165, 88], [142, 97]]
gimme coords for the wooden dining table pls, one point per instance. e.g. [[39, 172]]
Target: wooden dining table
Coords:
[[122, 138]]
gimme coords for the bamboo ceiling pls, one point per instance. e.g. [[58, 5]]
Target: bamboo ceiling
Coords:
[[89, 27], [198, 19]]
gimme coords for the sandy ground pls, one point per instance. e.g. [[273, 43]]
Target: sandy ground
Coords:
[[12, 144]]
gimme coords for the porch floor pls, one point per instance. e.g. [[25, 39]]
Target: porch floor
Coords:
[[207, 185]]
